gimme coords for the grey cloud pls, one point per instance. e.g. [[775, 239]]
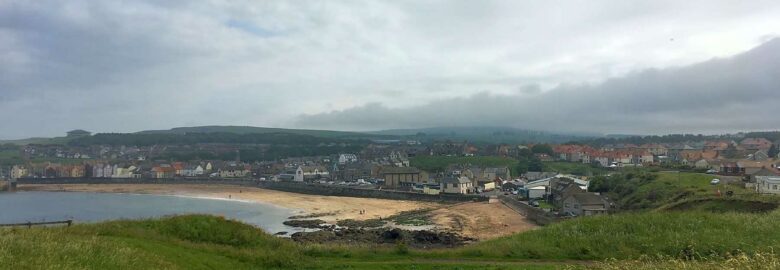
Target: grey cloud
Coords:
[[729, 94], [124, 66]]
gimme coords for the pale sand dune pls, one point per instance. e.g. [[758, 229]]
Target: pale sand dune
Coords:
[[478, 220]]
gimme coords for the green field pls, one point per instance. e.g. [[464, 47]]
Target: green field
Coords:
[[10, 158], [206, 242], [440, 163], [671, 187], [573, 168]]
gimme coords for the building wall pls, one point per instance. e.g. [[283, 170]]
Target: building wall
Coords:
[[770, 185]]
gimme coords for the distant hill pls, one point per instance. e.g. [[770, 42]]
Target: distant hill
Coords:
[[38, 140], [265, 130], [485, 134]]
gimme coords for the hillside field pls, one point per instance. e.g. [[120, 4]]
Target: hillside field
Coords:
[[206, 242]]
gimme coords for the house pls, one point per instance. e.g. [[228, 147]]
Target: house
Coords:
[[702, 164], [125, 172], [457, 185], [774, 172], [755, 144], [396, 177], [486, 178], [533, 176], [18, 171], [163, 172], [719, 145], [513, 184], [560, 188], [312, 172], [192, 171], [655, 149], [536, 192], [585, 204], [731, 168], [234, 171], [768, 184], [749, 167], [179, 167], [759, 155], [353, 171], [347, 158], [77, 171]]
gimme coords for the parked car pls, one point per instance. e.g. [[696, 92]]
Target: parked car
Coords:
[[715, 181], [535, 203], [711, 171]]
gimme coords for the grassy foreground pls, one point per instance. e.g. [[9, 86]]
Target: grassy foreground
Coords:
[[696, 240]]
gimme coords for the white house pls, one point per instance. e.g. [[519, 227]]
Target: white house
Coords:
[[298, 174], [347, 158], [312, 172], [121, 172], [768, 184], [18, 171], [459, 185], [193, 171]]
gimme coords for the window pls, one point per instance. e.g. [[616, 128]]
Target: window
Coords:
[[774, 187]]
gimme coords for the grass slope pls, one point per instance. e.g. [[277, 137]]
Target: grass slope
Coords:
[[205, 242], [630, 236], [575, 168], [672, 187]]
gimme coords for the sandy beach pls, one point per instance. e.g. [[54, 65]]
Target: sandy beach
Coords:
[[477, 220]]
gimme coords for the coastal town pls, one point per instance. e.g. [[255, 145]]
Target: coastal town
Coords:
[[384, 166]]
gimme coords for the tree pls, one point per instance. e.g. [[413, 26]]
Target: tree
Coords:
[[522, 166], [542, 149], [535, 165]]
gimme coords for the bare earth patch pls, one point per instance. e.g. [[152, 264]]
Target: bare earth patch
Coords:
[[481, 220]]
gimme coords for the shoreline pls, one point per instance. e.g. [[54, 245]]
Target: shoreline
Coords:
[[478, 220], [330, 209]]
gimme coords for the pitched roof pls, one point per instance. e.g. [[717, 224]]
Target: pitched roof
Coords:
[[588, 198]]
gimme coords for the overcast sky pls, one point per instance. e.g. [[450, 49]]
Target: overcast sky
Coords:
[[597, 66]]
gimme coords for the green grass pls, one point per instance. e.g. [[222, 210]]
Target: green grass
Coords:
[[440, 163], [10, 157], [545, 205], [185, 242], [633, 235], [671, 187], [573, 168], [207, 242]]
